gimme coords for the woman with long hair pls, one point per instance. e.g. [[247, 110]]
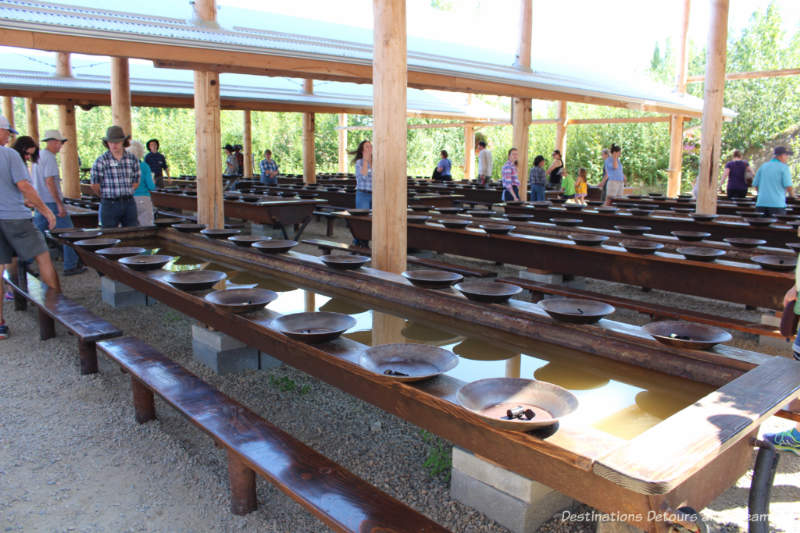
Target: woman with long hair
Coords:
[[362, 158]]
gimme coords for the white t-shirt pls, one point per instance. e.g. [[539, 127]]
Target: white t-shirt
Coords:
[[485, 162], [46, 167]]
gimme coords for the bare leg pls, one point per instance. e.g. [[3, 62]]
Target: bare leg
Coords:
[[2, 270], [47, 271]]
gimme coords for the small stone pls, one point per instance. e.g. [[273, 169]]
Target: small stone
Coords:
[[375, 426]]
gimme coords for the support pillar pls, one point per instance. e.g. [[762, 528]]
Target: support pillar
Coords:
[[342, 143], [309, 129], [711, 135], [121, 94], [70, 170], [389, 190], [561, 130], [8, 112], [32, 116], [521, 107], [469, 152], [247, 142], [676, 121]]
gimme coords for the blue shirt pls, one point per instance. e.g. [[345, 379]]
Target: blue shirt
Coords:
[[444, 164], [614, 174], [12, 171], [46, 167], [146, 183], [771, 181], [363, 179]]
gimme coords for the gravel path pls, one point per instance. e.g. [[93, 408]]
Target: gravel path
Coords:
[[73, 459]]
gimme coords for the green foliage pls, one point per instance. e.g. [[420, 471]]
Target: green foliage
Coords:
[[286, 384], [439, 460]]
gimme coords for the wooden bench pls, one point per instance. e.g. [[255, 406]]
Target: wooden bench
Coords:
[[328, 246], [342, 500], [654, 310], [52, 306]]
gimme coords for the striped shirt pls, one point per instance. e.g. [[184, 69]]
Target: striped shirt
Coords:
[[510, 176], [363, 181], [116, 178]]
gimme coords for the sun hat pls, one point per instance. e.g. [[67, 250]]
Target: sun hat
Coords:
[[780, 150], [6, 125], [53, 135], [114, 134]]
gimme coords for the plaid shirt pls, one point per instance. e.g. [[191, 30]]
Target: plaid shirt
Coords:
[[363, 181], [116, 178], [268, 166], [510, 176]]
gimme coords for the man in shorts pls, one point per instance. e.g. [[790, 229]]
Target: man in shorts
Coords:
[[18, 235]]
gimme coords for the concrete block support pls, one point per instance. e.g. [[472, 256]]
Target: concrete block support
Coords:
[[516, 502], [224, 354], [266, 230], [119, 295], [551, 278]]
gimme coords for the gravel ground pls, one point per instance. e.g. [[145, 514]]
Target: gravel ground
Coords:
[[73, 459]]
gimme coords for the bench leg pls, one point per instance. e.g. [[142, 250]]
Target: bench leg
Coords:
[[144, 406], [243, 485], [88, 354], [47, 326], [329, 227]]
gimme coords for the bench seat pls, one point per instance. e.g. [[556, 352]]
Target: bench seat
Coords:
[[342, 500]]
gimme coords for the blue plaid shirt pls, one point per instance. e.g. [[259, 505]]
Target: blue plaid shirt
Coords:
[[268, 166], [116, 178], [363, 180]]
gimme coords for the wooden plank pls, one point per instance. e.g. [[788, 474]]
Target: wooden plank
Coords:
[[309, 130], [561, 130], [70, 172], [750, 75], [661, 458], [121, 94], [32, 116], [342, 139], [247, 142], [469, 151]]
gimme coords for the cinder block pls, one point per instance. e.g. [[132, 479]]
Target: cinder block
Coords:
[[771, 318], [222, 353], [516, 515], [266, 230], [498, 477], [541, 276], [267, 361], [119, 295]]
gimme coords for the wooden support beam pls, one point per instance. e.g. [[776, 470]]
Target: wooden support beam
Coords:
[[247, 142], [309, 131], [8, 112], [711, 133], [342, 143], [561, 130], [617, 120], [63, 65], [389, 192], [676, 121], [70, 171], [751, 75], [469, 151], [121, 94], [32, 116], [521, 107], [210, 208]]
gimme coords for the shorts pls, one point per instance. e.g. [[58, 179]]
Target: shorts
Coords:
[[21, 238], [614, 188]]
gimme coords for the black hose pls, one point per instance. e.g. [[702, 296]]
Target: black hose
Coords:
[[760, 487]]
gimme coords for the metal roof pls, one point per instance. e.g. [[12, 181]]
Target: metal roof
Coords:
[[30, 73], [233, 47]]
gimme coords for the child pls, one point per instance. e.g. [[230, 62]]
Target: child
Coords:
[[581, 187], [567, 185]]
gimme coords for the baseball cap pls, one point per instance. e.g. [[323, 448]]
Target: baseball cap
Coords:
[[5, 125], [780, 150], [53, 135]]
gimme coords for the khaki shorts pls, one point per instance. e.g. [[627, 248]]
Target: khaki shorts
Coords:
[[615, 188], [21, 238]]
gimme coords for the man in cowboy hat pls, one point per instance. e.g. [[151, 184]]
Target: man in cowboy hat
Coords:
[[115, 176], [47, 183]]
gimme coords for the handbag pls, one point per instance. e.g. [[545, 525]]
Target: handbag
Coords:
[[749, 174], [789, 320]]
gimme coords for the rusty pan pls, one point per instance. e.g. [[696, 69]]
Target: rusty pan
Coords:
[[633, 230], [588, 239], [277, 246], [607, 209], [687, 335], [246, 241], [79, 235], [779, 263], [120, 251], [450, 210], [166, 222], [641, 247], [417, 219], [574, 207], [497, 229], [492, 398], [576, 310], [241, 300], [760, 221], [189, 228], [97, 244], [432, 279], [344, 261], [700, 253], [744, 242], [691, 236], [220, 233], [455, 223], [194, 280], [519, 217], [408, 362], [569, 222], [703, 217], [490, 291], [314, 328], [145, 262]]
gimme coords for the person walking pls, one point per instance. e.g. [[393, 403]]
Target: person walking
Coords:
[[144, 204], [614, 177], [47, 182], [363, 162], [231, 162], [537, 180], [269, 169], [444, 166], [18, 235], [735, 175], [115, 176], [156, 161], [774, 182], [511, 177], [484, 164]]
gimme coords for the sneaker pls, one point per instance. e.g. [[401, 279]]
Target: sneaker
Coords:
[[785, 441], [74, 271], [3, 331]]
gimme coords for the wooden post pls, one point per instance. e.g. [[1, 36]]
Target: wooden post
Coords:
[[70, 170], [521, 107], [309, 127], [469, 151], [342, 143], [711, 133], [121, 94], [561, 130], [210, 206], [8, 112], [676, 121], [32, 115], [389, 192], [247, 141]]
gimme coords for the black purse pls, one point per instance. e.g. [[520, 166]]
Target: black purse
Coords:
[[788, 327]]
